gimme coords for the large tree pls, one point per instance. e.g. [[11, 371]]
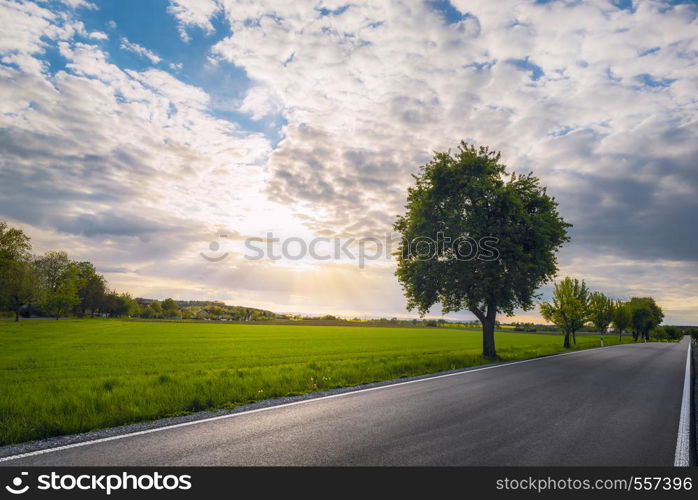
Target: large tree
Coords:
[[645, 315], [19, 281], [61, 278], [14, 244], [568, 308], [92, 287], [60, 299], [54, 266], [20, 284], [476, 238]]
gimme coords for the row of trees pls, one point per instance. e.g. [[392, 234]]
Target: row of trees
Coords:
[[469, 193], [573, 306], [51, 283], [169, 308]]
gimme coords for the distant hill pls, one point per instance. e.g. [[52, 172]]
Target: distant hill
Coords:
[[185, 303], [214, 309]]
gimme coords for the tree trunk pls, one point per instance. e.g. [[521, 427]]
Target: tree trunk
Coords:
[[566, 344], [17, 315], [487, 319], [574, 337], [488, 349], [620, 337]]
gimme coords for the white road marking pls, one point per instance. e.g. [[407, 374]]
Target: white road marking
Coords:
[[683, 439], [294, 403]]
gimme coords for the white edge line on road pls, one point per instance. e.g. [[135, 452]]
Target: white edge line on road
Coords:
[[294, 403], [681, 458]]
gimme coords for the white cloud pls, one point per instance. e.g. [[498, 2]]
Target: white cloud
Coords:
[[193, 13], [130, 46], [24, 24], [80, 3], [99, 35], [260, 102]]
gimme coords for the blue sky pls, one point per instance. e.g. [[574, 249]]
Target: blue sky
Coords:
[[134, 134], [148, 25]]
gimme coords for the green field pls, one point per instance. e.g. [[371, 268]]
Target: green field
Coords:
[[60, 377]]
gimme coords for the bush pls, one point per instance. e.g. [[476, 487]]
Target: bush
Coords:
[[658, 333], [673, 333], [693, 332]]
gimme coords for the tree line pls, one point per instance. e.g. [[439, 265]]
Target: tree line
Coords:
[[54, 285], [573, 306]]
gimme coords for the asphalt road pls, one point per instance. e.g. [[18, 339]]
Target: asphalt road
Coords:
[[613, 406]]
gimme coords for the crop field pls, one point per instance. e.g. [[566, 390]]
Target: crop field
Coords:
[[68, 376]]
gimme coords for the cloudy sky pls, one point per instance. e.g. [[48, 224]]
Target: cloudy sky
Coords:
[[141, 135]]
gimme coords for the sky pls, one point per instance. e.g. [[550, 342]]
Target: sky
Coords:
[[156, 138]]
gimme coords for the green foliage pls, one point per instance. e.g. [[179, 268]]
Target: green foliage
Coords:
[[63, 296], [19, 279], [153, 310], [60, 377], [54, 267], [622, 316], [156, 307], [469, 195], [569, 307], [20, 284], [14, 244], [221, 311], [170, 309], [658, 333], [600, 311], [128, 306], [645, 315], [672, 333], [92, 289], [693, 332]]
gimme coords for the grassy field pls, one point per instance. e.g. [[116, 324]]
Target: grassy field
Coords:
[[60, 377]]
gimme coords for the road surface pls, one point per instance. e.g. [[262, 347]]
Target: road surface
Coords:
[[613, 406]]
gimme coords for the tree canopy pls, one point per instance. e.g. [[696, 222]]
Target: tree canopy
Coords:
[[14, 244], [568, 308], [476, 238], [645, 315], [601, 310], [622, 317], [169, 308]]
